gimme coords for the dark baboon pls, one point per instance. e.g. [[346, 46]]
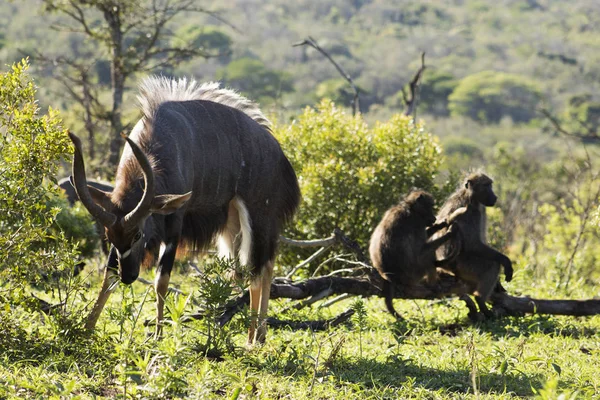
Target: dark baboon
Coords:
[[477, 264], [399, 246]]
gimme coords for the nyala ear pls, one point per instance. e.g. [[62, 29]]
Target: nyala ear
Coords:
[[100, 197], [169, 203]]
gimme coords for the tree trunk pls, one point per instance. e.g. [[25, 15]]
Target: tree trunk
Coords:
[[88, 119], [118, 76], [527, 305]]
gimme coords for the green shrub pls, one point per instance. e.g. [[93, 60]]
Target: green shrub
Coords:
[[350, 173], [489, 96], [31, 146], [77, 226]]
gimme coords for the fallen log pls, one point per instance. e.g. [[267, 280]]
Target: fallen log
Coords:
[[369, 284], [447, 286], [527, 305]]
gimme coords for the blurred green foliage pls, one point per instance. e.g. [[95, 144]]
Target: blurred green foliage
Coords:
[[207, 37], [336, 89], [434, 92], [255, 79], [489, 96]]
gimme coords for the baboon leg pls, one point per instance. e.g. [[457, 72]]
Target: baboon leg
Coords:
[[483, 307], [485, 286], [255, 290], [473, 315], [108, 285], [499, 288], [388, 292], [265, 294], [488, 253]]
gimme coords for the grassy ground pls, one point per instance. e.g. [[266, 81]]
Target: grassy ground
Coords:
[[436, 354]]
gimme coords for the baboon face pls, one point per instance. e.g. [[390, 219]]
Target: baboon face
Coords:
[[422, 203], [481, 187]]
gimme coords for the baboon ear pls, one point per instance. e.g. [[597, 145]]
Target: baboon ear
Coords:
[[469, 183], [169, 203]]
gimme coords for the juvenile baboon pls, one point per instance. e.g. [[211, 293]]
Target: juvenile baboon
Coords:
[[400, 249], [477, 264]]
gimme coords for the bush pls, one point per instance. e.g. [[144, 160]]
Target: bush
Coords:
[[30, 148], [350, 173], [489, 96]]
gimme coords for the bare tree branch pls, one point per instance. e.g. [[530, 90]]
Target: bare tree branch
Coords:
[[413, 101], [590, 135], [313, 43]]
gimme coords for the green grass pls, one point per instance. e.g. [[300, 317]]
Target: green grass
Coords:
[[437, 353]]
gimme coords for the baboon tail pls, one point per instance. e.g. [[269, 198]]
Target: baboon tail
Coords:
[[388, 292]]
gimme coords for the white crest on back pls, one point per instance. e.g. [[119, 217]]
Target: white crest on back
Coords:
[[155, 90]]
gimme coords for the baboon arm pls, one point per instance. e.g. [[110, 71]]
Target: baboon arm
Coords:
[[436, 227], [437, 242], [493, 254], [446, 222], [457, 213]]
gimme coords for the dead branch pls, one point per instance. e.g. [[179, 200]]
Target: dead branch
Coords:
[[590, 135], [447, 286], [310, 259], [313, 43], [337, 237], [528, 305], [309, 243], [412, 102]]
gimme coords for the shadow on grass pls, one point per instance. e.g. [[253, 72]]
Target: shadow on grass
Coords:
[[398, 374], [503, 327]]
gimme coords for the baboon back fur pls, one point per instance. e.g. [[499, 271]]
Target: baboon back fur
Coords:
[[477, 264], [399, 246]]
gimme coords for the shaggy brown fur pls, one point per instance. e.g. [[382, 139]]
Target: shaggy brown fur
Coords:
[[399, 247], [477, 263]]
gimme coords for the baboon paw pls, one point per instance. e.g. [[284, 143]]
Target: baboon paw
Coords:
[[499, 312], [476, 317]]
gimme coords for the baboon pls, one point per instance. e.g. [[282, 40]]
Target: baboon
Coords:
[[476, 264], [399, 246]]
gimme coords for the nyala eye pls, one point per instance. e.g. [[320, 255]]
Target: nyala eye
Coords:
[[137, 236]]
